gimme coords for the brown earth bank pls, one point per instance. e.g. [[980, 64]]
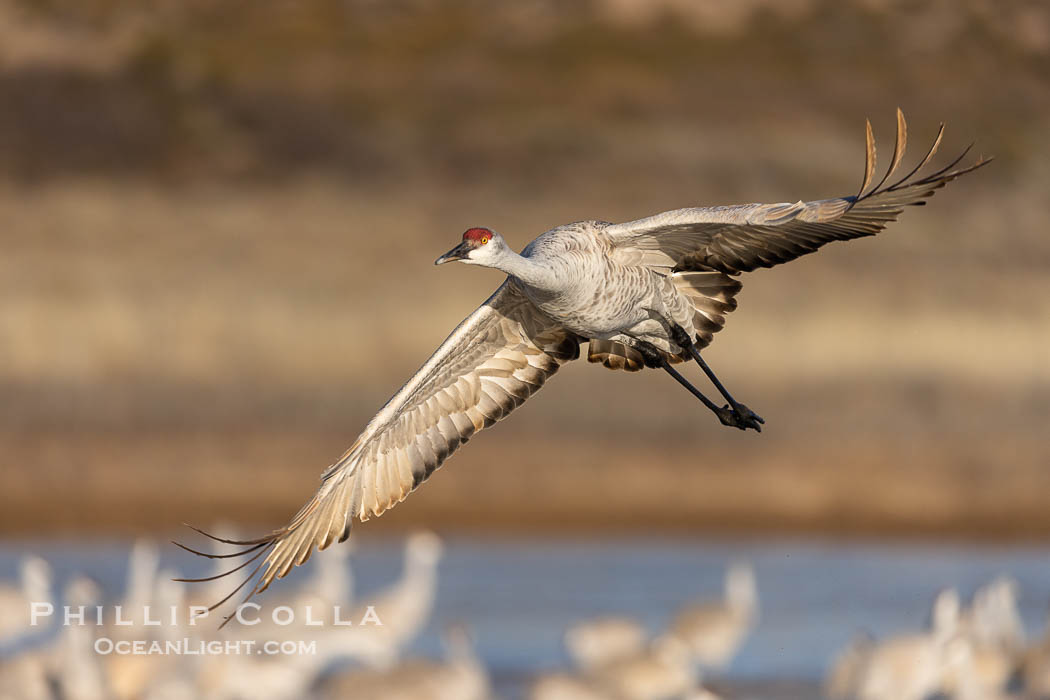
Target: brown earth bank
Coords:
[[90, 483]]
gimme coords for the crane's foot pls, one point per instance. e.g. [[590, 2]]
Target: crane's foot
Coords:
[[734, 414], [740, 416]]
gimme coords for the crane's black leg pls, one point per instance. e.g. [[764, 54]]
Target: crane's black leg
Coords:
[[727, 415], [740, 408], [692, 389], [745, 415]]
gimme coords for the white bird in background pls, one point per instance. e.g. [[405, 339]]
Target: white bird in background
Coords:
[[141, 580], [171, 677], [701, 694], [405, 606], [646, 293], [909, 667], [843, 678], [715, 630], [994, 642], [663, 671], [333, 580], [565, 686], [993, 620], [26, 677], [259, 677], [460, 677], [15, 601], [147, 593], [592, 644], [77, 670], [1035, 665]]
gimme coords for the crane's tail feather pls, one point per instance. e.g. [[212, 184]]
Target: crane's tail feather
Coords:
[[615, 355]]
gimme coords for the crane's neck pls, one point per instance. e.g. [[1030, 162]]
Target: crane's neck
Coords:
[[533, 273]]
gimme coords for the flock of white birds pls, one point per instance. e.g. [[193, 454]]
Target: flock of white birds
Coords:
[[968, 652], [52, 660], [973, 652], [615, 659]]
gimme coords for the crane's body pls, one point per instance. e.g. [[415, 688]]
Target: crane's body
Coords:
[[645, 293], [571, 275]]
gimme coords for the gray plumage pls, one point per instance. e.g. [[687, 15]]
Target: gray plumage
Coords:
[[623, 288]]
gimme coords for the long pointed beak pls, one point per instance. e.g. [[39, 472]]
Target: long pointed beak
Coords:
[[457, 253]]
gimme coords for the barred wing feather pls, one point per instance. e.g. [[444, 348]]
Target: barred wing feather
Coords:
[[494, 360], [734, 239]]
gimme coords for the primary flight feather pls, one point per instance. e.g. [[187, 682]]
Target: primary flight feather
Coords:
[[646, 293]]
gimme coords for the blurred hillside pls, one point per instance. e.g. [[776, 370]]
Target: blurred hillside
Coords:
[[219, 223], [467, 91]]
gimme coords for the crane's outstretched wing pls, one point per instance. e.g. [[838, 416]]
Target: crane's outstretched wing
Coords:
[[735, 239], [494, 360]]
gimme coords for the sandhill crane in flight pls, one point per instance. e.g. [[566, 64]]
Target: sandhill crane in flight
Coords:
[[646, 293]]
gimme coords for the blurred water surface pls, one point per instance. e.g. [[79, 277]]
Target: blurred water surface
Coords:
[[517, 595]]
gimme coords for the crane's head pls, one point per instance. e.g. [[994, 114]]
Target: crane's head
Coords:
[[480, 246]]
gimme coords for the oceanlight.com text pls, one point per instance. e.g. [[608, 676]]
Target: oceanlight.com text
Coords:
[[194, 647]]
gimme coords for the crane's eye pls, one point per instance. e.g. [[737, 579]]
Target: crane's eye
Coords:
[[484, 240]]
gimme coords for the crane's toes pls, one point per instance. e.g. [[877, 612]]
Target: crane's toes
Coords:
[[740, 417], [749, 415]]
